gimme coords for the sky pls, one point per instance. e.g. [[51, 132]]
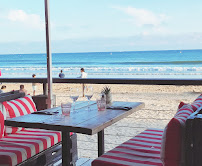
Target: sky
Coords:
[[100, 26]]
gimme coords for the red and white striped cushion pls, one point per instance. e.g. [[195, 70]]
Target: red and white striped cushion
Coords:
[[1, 125], [15, 148], [141, 150], [3, 110], [18, 107], [197, 103], [173, 137]]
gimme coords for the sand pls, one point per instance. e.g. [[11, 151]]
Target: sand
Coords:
[[161, 103]]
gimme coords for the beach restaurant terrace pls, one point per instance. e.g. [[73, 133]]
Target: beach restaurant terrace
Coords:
[[161, 98], [158, 95]]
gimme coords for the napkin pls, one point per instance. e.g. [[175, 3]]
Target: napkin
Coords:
[[119, 108], [45, 112]]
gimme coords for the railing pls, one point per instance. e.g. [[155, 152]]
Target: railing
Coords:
[[142, 81]]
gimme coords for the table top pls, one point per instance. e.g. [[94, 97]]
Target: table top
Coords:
[[81, 120]]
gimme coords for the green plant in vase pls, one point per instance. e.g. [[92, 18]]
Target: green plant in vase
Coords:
[[107, 91]]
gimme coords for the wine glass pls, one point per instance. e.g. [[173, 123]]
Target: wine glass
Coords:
[[74, 95], [88, 91]]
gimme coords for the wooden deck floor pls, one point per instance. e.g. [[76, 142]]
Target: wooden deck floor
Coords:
[[80, 162], [84, 162]]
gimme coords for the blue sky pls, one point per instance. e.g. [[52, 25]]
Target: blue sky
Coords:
[[107, 25]]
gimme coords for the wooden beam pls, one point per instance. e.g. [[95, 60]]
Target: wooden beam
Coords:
[[132, 81]]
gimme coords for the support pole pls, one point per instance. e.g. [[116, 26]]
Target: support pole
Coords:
[[49, 56]]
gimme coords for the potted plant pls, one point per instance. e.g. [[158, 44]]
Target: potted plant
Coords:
[[107, 91]]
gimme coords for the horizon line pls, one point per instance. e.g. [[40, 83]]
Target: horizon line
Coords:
[[103, 51]]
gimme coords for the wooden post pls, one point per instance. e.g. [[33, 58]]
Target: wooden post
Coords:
[[45, 92], [83, 87], [49, 56]]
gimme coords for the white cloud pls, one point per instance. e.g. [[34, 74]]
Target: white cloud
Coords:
[[143, 17], [30, 20]]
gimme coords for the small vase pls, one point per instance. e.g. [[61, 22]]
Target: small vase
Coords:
[[109, 99]]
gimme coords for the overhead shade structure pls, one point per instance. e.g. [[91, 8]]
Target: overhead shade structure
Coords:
[[49, 55]]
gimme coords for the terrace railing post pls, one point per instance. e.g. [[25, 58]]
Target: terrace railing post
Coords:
[[83, 87], [45, 92]]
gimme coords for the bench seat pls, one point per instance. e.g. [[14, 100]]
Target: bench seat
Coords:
[[28, 147], [18, 147], [142, 150]]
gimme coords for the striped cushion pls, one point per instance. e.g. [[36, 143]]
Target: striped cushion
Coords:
[[173, 137], [3, 110], [197, 103], [1, 125], [18, 107], [22, 145], [141, 150]]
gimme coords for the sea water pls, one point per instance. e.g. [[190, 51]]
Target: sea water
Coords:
[[133, 64]]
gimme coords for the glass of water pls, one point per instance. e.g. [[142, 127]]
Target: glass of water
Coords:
[[88, 91], [66, 108], [74, 95]]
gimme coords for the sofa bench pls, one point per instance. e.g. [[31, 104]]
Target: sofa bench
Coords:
[[33, 147], [157, 147]]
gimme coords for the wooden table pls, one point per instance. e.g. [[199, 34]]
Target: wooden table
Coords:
[[82, 121]]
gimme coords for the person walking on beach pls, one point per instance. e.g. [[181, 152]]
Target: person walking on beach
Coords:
[[22, 89], [34, 85], [3, 87], [61, 75], [83, 75]]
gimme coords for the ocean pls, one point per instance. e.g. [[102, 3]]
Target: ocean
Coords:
[[133, 64]]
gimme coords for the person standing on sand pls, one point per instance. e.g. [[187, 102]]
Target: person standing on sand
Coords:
[[3, 87], [22, 89], [61, 75], [34, 85], [83, 75]]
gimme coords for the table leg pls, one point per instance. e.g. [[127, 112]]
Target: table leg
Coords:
[[66, 149], [101, 145]]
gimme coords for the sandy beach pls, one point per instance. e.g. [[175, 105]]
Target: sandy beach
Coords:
[[161, 103]]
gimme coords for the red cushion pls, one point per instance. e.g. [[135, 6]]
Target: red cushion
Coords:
[[173, 137], [18, 107], [17, 147], [1, 124], [197, 103]]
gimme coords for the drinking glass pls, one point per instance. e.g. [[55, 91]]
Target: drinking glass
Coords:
[[74, 95], [88, 91], [101, 102], [66, 108]]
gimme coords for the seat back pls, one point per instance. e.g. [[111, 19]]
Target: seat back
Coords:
[[193, 137], [10, 95]]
